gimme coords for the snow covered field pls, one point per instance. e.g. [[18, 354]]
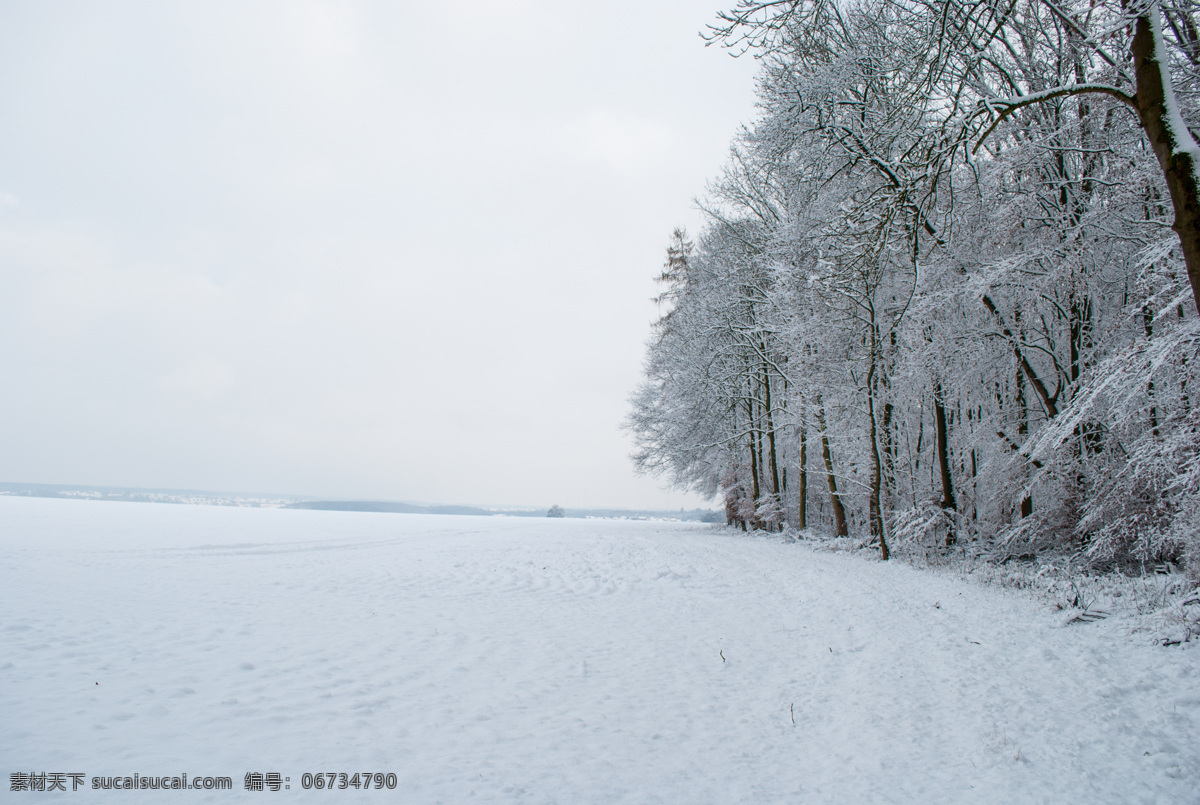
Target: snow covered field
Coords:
[[518, 660]]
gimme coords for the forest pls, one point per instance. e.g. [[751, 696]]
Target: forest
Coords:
[[945, 296]]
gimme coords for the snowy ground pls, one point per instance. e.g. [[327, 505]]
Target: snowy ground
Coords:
[[518, 660]]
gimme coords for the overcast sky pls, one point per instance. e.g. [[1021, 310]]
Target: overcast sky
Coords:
[[345, 249]]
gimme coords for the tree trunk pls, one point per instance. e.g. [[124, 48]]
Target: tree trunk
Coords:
[[771, 452], [770, 460], [1177, 151], [949, 504], [1148, 323], [1022, 432], [873, 511], [754, 490], [839, 512], [887, 438], [943, 447], [802, 519]]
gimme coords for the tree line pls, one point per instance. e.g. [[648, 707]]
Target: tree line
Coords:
[[946, 293]]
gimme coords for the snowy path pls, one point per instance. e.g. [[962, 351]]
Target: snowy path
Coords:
[[516, 660]]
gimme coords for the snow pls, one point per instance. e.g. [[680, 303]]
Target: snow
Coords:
[[558, 660]]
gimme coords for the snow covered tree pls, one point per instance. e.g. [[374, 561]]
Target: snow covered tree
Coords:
[[947, 271]]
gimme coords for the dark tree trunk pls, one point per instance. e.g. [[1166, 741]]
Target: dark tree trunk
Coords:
[[839, 512], [943, 447], [1169, 137], [889, 455], [949, 504], [802, 518], [1022, 432], [873, 509], [753, 456], [771, 452], [1148, 324]]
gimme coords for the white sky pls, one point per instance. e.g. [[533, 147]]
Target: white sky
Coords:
[[345, 249]]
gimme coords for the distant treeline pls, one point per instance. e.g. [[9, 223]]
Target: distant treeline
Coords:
[[384, 506], [198, 497], [699, 515], [134, 495]]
